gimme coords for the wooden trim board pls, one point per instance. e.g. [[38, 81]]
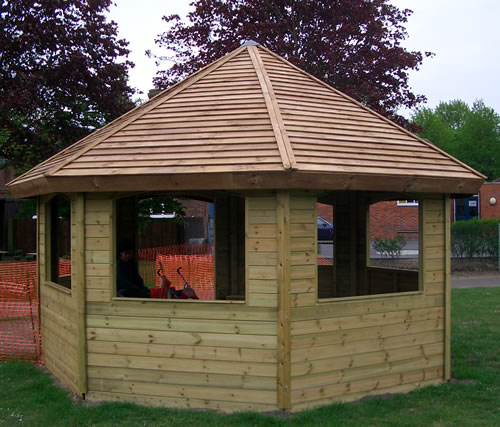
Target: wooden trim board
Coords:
[[79, 264], [447, 272], [284, 318]]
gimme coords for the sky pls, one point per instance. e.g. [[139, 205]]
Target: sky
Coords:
[[463, 34]]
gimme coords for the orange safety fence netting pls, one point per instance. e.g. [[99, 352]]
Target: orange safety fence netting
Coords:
[[198, 270], [20, 335], [64, 267], [21, 273], [149, 254], [323, 261], [19, 323]]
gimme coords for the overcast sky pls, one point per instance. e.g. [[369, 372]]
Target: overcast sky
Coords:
[[464, 35]]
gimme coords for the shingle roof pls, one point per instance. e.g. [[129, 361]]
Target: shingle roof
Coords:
[[251, 112]]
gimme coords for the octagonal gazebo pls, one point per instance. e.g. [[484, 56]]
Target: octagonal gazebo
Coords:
[[249, 127]]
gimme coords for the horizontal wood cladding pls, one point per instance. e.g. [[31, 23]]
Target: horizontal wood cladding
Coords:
[[303, 250], [180, 403], [182, 338], [218, 353], [262, 251], [59, 334], [434, 252], [182, 324], [350, 348], [357, 389], [58, 314], [220, 394], [189, 354], [99, 260]]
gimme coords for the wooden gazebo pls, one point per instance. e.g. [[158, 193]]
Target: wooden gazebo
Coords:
[[265, 141]]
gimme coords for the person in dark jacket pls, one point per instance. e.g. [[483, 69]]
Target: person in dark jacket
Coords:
[[128, 281]]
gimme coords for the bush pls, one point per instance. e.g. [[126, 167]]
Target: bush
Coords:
[[19, 253], [475, 238], [390, 247]]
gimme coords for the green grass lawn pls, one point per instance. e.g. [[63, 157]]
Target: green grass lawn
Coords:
[[28, 396]]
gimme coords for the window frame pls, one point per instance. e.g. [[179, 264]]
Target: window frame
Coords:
[[114, 253], [48, 247], [420, 279]]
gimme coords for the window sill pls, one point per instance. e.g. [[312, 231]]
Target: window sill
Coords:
[[183, 301], [369, 297], [58, 287]]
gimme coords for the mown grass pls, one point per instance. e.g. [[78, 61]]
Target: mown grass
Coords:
[[29, 397]]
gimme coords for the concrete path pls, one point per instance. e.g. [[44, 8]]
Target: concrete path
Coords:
[[473, 280]]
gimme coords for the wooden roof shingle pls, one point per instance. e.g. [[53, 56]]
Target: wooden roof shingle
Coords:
[[250, 120]]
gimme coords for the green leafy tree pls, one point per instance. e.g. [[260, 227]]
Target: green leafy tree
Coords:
[[160, 206], [353, 45], [471, 134], [63, 73]]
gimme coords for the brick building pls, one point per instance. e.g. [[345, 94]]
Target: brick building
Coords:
[[387, 219], [401, 217], [489, 200]]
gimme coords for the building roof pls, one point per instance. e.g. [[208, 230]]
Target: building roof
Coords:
[[250, 120]]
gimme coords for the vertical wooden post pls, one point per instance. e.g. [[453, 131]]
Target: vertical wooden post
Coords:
[[421, 245], [113, 249], [368, 247], [362, 239], [447, 320], [38, 252], [284, 369], [37, 277], [353, 234], [79, 267], [47, 271]]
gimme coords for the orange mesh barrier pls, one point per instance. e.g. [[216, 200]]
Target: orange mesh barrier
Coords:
[[198, 270], [149, 254], [64, 267], [323, 261], [20, 272], [19, 325], [24, 272]]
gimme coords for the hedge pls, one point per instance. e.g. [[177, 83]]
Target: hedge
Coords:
[[475, 238]]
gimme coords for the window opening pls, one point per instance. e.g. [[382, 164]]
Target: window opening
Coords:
[[59, 250], [394, 248], [183, 247], [325, 232], [366, 248]]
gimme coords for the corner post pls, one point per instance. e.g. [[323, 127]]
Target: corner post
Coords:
[[284, 368], [447, 300], [80, 293]]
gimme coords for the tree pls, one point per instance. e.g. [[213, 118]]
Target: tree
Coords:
[[353, 45], [472, 135], [59, 75]]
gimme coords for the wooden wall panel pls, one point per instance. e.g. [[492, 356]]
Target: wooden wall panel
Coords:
[[58, 315], [261, 251], [98, 247], [188, 354], [183, 354], [303, 250], [433, 247], [353, 347]]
